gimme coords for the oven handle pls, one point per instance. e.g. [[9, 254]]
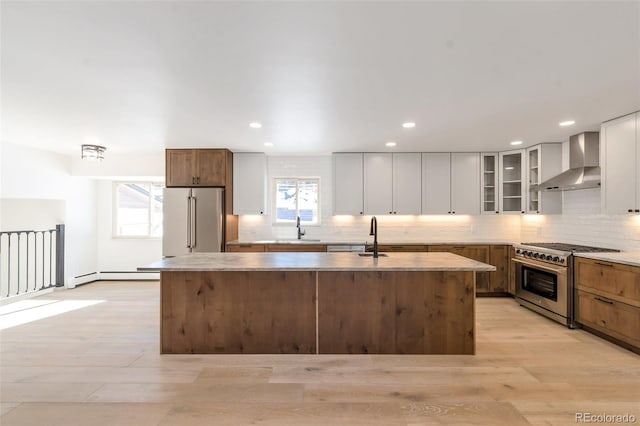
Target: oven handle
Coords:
[[559, 270]]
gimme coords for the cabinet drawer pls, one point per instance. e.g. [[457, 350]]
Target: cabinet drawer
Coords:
[[296, 247], [608, 316], [613, 280], [245, 248]]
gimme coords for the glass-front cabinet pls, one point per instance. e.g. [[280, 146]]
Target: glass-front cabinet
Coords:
[[512, 182], [544, 161], [489, 183], [533, 179]]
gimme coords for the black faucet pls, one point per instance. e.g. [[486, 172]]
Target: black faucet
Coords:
[[374, 231], [300, 231]]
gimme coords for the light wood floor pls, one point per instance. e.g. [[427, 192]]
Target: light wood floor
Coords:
[[99, 365]]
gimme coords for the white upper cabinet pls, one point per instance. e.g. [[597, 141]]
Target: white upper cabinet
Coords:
[[378, 183], [436, 183], [249, 183], [489, 187], [620, 157], [407, 170], [348, 174], [544, 161], [512, 181], [465, 177]]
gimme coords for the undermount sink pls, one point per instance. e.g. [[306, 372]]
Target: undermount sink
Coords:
[[371, 255]]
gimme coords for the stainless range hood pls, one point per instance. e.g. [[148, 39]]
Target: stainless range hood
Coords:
[[584, 165]]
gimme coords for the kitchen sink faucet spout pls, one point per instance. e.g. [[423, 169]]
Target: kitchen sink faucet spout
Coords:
[[301, 232], [374, 231]]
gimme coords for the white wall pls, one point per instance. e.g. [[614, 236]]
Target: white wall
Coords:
[[141, 165], [445, 228], [38, 192]]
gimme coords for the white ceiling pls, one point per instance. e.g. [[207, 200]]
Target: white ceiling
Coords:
[[319, 76]]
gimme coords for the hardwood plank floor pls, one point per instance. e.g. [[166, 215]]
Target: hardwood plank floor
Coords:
[[100, 365]]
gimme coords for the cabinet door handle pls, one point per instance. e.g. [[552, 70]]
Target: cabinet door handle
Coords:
[[600, 299], [198, 180], [193, 180], [604, 264], [630, 211]]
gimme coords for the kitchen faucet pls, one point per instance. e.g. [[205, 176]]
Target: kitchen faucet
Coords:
[[301, 232], [374, 231]]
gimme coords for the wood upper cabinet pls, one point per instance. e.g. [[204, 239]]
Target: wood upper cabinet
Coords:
[[196, 167], [608, 299]]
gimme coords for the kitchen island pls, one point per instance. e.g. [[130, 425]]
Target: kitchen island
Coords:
[[317, 303]]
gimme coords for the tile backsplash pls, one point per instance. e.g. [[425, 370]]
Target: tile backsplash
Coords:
[[581, 223]]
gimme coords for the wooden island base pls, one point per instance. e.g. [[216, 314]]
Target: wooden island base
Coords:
[[326, 312]]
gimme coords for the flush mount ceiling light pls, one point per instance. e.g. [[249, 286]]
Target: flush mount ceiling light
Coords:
[[516, 143], [409, 125], [269, 144], [391, 143], [93, 152], [567, 123], [255, 125]]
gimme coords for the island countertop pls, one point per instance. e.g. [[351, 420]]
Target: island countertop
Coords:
[[435, 261]]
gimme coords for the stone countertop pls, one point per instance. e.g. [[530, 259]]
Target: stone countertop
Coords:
[[317, 262], [626, 258], [368, 242]]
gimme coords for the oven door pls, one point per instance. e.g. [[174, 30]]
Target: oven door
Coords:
[[543, 285]]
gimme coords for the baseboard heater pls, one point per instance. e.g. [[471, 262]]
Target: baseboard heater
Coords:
[[115, 276]]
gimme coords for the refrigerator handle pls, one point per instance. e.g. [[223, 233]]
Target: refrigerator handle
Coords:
[[189, 221], [194, 212]]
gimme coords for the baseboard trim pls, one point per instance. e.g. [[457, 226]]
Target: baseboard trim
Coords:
[[113, 276]]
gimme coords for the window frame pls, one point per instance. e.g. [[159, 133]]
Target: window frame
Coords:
[[114, 210], [274, 198]]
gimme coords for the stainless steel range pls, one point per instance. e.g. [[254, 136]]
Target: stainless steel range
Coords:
[[544, 278]]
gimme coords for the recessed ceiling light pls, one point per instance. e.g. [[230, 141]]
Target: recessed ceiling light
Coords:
[[509, 168], [390, 144], [255, 125], [516, 143], [409, 125], [268, 144], [567, 123]]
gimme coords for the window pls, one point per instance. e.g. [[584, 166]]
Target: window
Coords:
[[297, 197], [138, 209]]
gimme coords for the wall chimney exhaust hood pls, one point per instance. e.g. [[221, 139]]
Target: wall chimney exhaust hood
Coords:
[[584, 165]]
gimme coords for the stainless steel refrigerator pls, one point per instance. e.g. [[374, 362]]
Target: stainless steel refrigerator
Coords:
[[193, 221]]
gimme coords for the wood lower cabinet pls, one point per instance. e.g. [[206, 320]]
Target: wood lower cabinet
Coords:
[[197, 167], [295, 248], [253, 248], [499, 257], [487, 283], [257, 248], [406, 248], [512, 271], [478, 252], [608, 300]]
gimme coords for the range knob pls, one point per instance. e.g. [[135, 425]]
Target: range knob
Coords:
[[556, 259], [518, 251], [549, 257], [562, 260], [536, 255]]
